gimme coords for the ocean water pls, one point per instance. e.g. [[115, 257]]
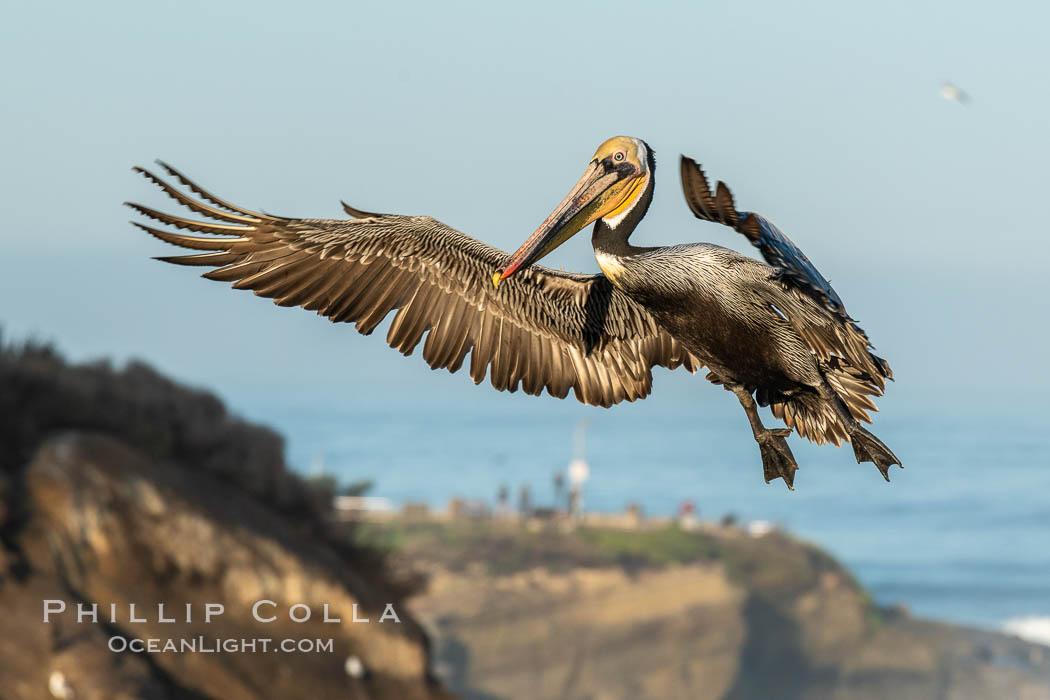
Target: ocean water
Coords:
[[961, 534]]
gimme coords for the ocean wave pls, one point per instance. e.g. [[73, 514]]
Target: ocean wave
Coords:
[[1031, 628]]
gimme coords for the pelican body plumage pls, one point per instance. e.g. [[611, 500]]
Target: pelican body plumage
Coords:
[[774, 333]]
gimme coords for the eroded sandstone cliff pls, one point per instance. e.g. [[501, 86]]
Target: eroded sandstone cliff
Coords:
[[712, 614], [121, 488]]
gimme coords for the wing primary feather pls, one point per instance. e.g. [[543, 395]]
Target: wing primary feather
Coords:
[[201, 192], [199, 226], [211, 259], [245, 265], [191, 203], [192, 242]]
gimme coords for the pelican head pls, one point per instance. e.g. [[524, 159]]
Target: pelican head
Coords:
[[612, 185]]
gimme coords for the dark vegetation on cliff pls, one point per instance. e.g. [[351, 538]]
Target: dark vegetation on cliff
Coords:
[[42, 395], [504, 550], [119, 486]]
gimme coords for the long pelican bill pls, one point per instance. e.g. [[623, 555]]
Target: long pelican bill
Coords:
[[606, 186]]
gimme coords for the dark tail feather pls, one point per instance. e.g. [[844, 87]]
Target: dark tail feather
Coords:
[[869, 448]]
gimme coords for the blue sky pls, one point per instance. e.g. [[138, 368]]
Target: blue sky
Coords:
[[927, 215]]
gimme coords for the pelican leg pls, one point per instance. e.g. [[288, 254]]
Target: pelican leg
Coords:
[[866, 447], [777, 460]]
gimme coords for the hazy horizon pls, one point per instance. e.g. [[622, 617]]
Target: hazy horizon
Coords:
[[923, 212]]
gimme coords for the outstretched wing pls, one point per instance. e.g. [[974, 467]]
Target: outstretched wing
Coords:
[[541, 328], [840, 345]]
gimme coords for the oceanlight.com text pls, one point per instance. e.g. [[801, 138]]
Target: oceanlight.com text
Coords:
[[206, 645]]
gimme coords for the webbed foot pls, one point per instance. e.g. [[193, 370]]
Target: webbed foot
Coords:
[[868, 448], [777, 460]]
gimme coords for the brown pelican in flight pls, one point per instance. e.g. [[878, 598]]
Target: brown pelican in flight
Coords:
[[774, 331]]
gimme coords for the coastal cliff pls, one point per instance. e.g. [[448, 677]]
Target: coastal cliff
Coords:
[[713, 613], [121, 488]]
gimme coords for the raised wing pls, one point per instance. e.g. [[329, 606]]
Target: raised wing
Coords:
[[839, 344], [541, 329], [777, 249]]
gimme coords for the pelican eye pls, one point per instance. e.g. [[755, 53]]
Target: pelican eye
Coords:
[[618, 156]]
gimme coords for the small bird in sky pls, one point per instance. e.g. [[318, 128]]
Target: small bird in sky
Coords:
[[954, 93]]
